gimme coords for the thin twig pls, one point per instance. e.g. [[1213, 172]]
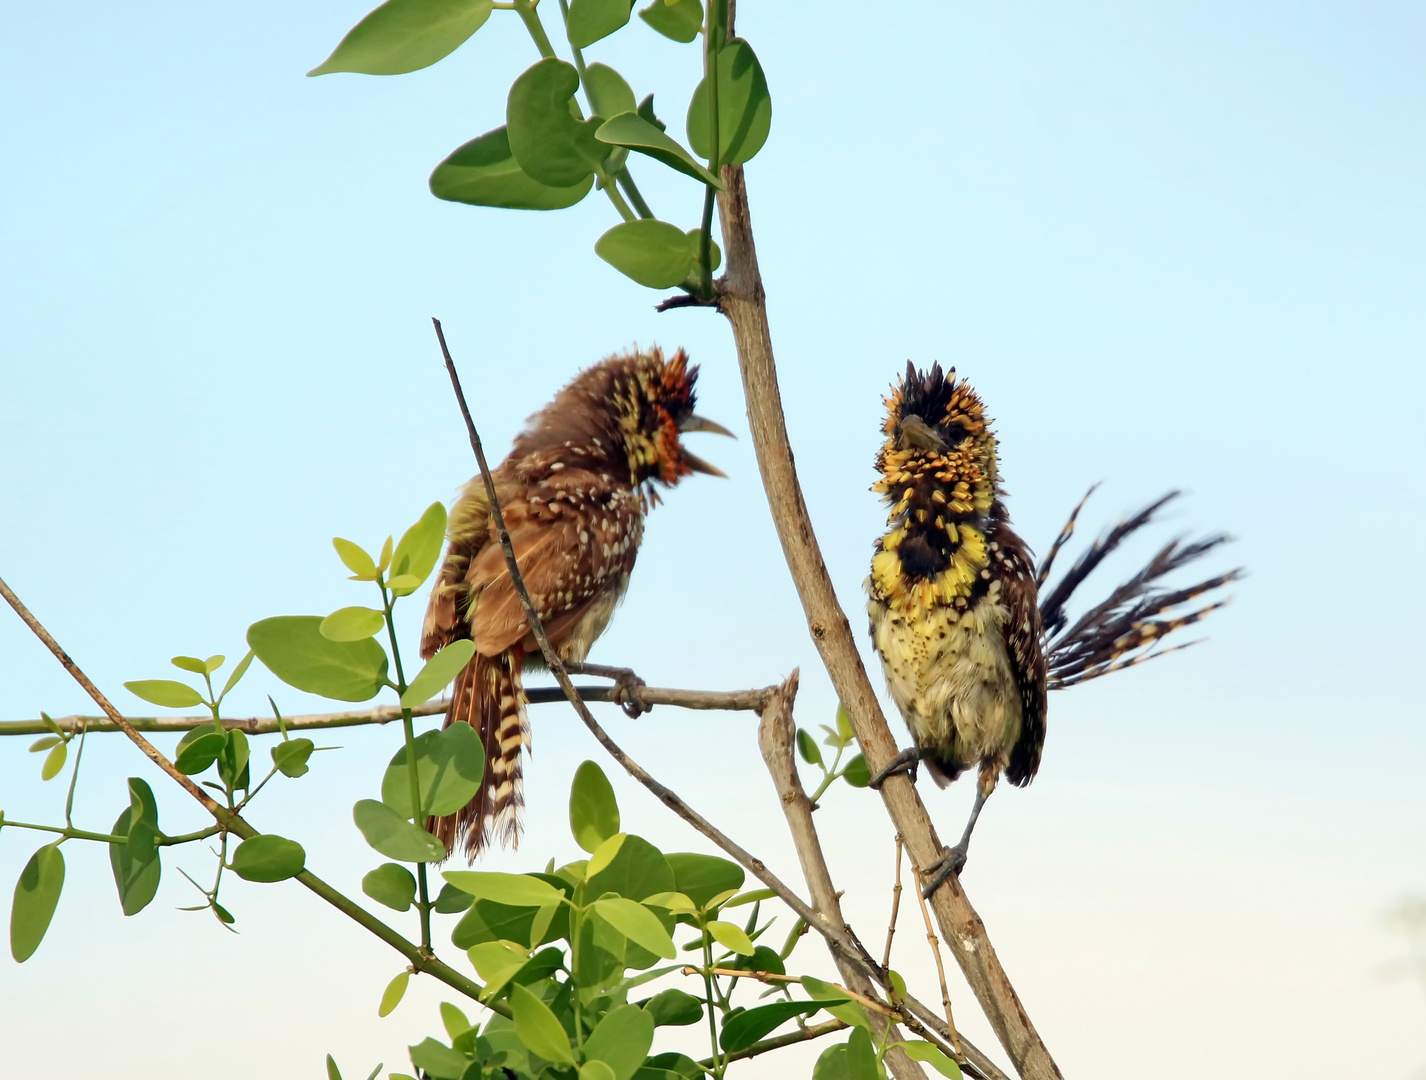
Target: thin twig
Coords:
[[730, 700], [815, 1031], [772, 978], [940, 972], [895, 907]]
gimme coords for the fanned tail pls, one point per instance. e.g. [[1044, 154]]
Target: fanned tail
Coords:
[[489, 695], [1125, 628]]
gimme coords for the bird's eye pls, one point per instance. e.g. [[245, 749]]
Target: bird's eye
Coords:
[[952, 432]]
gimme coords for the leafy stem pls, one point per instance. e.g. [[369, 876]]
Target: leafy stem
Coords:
[[388, 601]]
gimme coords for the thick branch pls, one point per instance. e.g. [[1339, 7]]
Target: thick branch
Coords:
[[647, 696], [742, 300]]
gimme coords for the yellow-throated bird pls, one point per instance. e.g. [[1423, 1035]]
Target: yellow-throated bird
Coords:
[[573, 490]]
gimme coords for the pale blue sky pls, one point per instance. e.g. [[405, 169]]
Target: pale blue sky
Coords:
[[1172, 244]]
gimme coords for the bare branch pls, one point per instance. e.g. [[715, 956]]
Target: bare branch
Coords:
[[742, 300], [647, 696], [895, 907], [940, 972]]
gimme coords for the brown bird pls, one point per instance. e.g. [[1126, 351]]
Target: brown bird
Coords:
[[573, 490]]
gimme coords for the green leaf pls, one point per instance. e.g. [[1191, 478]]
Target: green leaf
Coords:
[[497, 962], [483, 172], [406, 35], [54, 762], [190, 663], [390, 884], [590, 20], [857, 773], [516, 890], [849, 1012], [609, 93], [385, 560], [136, 865], [36, 894], [44, 743], [746, 1028], [715, 253], [238, 673], [702, 877], [808, 748], [898, 984], [392, 995], [844, 724], [637, 923], [730, 936], [637, 870], [621, 1040], [680, 20], [487, 920], [438, 673], [538, 1028], [753, 897], [762, 958], [438, 1061], [49, 722], [917, 1050], [453, 1020], [675, 902], [213, 663], [352, 624], [333, 1073], [233, 761], [549, 143], [452, 900], [593, 810], [596, 1070], [605, 853], [291, 756], [419, 548], [646, 110], [632, 130], [293, 648], [744, 107], [394, 836], [165, 692], [198, 750], [653, 253], [362, 565], [861, 1056], [450, 765], [674, 1008], [268, 858]]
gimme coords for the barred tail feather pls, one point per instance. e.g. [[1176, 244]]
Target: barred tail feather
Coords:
[[490, 696]]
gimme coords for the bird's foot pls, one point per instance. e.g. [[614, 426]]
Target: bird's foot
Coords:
[[905, 762], [950, 864], [626, 686]]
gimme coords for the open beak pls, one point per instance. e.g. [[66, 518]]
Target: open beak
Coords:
[[697, 464], [694, 422]]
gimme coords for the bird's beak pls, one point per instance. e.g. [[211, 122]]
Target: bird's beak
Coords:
[[915, 433], [694, 422], [697, 464]]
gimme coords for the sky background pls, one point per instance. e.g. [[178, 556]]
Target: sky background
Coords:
[[1173, 245]]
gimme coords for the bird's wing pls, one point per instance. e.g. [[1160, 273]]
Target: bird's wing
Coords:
[[1022, 633], [467, 532]]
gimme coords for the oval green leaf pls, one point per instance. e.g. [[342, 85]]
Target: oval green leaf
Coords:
[[54, 762], [674, 1008], [917, 1050], [393, 836], [293, 648], [238, 673], [352, 624], [36, 894], [730, 936], [420, 547], [135, 864], [609, 94], [638, 924], [632, 130], [746, 1028], [268, 858], [390, 884], [680, 20], [538, 1028], [165, 692], [483, 172], [362, 566], [638, 869], [392, 995], [406, 35], [438, 673], [450, 765], [189, 663], [807, 747], [849, 1012], [291, 756], [593, 809], [744, 107], [550, 145], [654, 253], [857, 773], [590, 20], [516, 890], [621, 1040], [702, 877], [196, 754], [597, 1070]]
